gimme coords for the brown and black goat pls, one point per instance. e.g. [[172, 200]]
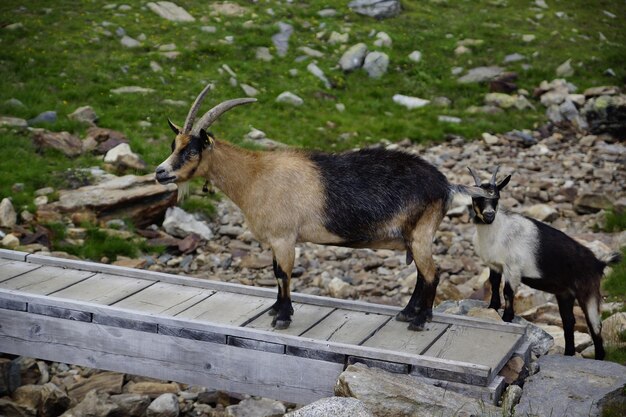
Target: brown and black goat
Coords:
[[521, 249], [371, 198]]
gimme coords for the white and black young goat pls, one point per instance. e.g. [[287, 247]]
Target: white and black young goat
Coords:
[[372, 198], [521, 249]]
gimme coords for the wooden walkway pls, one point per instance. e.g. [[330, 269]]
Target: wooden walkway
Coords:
[[219, 335]]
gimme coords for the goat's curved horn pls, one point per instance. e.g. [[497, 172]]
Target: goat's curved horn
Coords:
[[476, 177], [212, 115], [493, 177], [194, 109]]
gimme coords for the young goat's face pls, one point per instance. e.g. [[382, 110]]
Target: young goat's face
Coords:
[[187, 150], [485, 208]]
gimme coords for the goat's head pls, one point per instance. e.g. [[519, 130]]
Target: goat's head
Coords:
[[192, 141], [486, 207]]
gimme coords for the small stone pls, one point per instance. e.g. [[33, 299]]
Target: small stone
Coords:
[[8, 216], [85, 114], [528, 38], [249, 90], [490, 139], [449, 119], [289, 98], [565, 69], [170, 11], [129, 42], [45, 117], [338, 38], [338, 288], [510, 399], [376, 64], [12, 121], [165, 405], [480, 74], [542, 212], [131, 90], [10, 241], [317, 72], [251, 407], [513, 58], [415, 56], [263, 54], [409, 102], [383, 40], [327, 13], [155, 67], [591, 203], [353, 58]]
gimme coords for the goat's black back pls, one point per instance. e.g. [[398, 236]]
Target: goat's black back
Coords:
[[563, 259], [366, 188]]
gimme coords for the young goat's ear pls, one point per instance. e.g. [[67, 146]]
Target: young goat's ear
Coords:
[[504, 182], [207, 141], [174, 128]]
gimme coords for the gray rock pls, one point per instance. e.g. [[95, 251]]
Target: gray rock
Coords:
[[281, 39], [132, 89], [393, 395], [565, 69], [513, 58], [540, 340], [64, 142], [249, 90], [570, 386], [606, 114], [13, 102], [84, 114], [8, 216], [336, 37], [289, 98], [314, 53], [409, 102], [317, 72], [129, 42], [95, 404], [378, 9], [333, 406], [170, 11], [122, 157], [353, 58], [510, 399], [591, 203], [542, 212], [376, 64], [383, 40], [165, 405], [327, 13], [480, 74], [415, 56], [12, 121], [256, 407], [179, 223], [263, 54], [45, 117]]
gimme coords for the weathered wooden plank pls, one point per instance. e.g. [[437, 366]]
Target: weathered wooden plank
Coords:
[[304, 317], [489, 394], [395, 336], [322, 355], [394, 367], [345, 326], [45, 280], [164, 298], [270, 293], [453, 368], [103, 289], [13, 255], [474, 345], [228, 308], [15, 268], [113, 321], [13, 304], [62, 313], [192, 334], [253, 344], [216, 366]]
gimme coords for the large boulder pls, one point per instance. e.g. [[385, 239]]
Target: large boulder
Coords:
[[606, 114], [64, 142], [387, 394], [170, 11], [570, 386], [333, 406], [180, 223], [138, 198], [8, 217]]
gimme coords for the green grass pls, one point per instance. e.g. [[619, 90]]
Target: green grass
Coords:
[[615, 221]]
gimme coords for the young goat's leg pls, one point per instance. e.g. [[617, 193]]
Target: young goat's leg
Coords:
[[589, 301], [430, 279], [509, 298], [566, 309], [284, 254], [410, 311], [495, 278]]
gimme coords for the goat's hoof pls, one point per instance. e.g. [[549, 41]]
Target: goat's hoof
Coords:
[[417, 327], [405, 317], [282, 324], [508, 317], [272, 312]]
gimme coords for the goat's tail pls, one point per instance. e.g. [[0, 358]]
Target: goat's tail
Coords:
[[612, 258], [460, 194]]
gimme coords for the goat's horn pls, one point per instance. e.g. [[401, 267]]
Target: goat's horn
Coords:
[[194, 109], [495, 172], [212, 115], [476, 177]]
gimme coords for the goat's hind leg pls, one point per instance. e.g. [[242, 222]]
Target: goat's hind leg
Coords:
[[589, 301], [282, 310], [427, 282], [409, 312]]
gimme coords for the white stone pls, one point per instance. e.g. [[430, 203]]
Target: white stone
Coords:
[[249, 90], [565, 69], [311, 52], [12, 121], [41, 200], [165, 405], [449, 119], [129, 42], [383, 40], [179, 223], [542, 212], [409, 102], [353, 58], [336, 37], [490, 139], [170, 11], [8, 216], [263, 54], [376, 64], [131, 90], [289, 98], [415, 56], [10, 241], [339, 288], [528, 38], [317, 72]]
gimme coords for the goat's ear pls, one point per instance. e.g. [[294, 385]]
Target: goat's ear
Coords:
[[504, 182], [174, 128], [207, 141]]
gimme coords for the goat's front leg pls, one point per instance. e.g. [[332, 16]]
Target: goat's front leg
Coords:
[[512, 279], [566, 309], [495, 278], [284, 254]]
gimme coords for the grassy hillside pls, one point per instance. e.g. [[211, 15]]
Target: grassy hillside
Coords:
[[66, 54]]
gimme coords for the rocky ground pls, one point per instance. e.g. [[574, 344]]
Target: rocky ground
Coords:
[[567, 173]]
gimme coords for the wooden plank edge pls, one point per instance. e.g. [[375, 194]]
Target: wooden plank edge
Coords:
[[13, 255], [505, 358], [451, 366], [267, 292], [490, 393]]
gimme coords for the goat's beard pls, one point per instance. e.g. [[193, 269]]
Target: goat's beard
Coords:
[[183, 191]]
